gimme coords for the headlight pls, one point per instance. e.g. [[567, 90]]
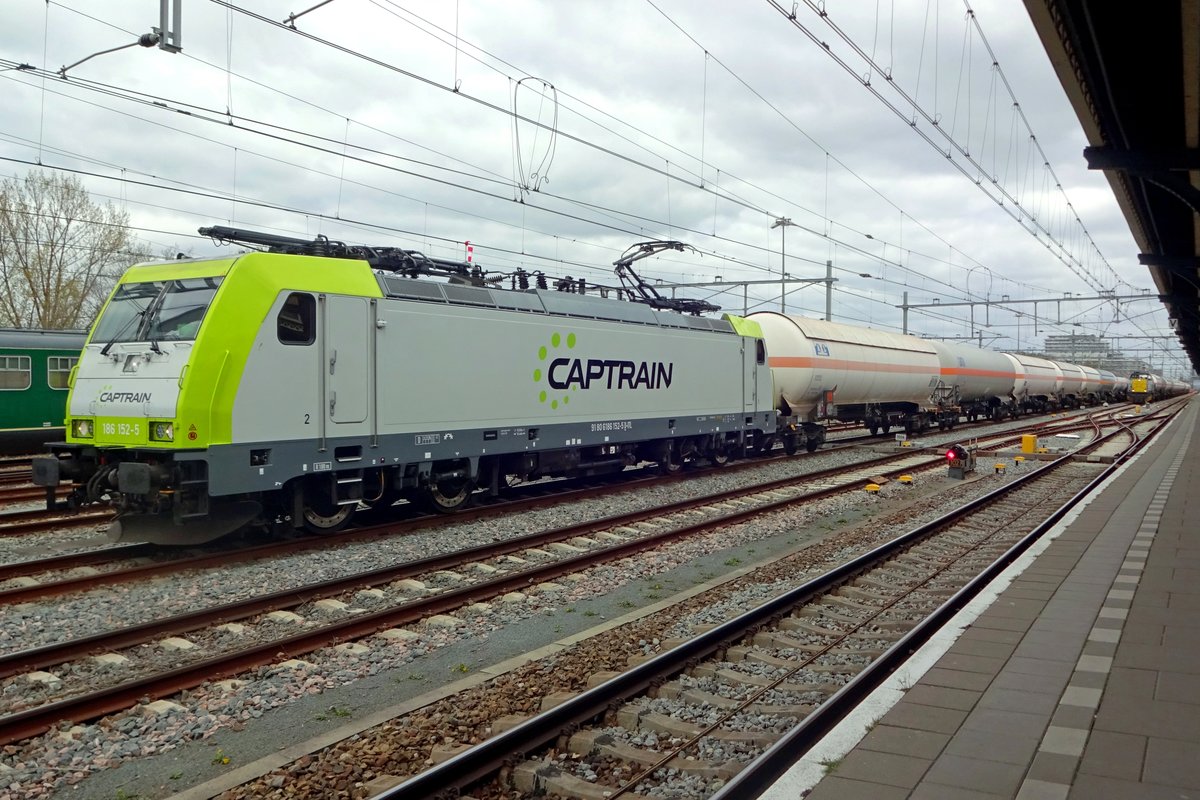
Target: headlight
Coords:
[[162, 431], [82, 428]]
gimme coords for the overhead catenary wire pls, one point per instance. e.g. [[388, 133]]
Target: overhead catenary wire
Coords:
[[933, 258], [898, 262]]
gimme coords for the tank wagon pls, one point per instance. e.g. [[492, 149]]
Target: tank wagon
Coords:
[[825, 370], [828, 371], [286, 388], [1109, 386], [1038, 382], [35, 367], [981, 382]]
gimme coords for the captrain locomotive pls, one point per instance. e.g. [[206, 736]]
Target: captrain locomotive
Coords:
[[289, 387]]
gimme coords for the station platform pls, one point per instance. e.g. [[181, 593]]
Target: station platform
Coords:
[[1078, 676]]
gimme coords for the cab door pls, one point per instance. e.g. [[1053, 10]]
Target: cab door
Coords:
[[345, 358]]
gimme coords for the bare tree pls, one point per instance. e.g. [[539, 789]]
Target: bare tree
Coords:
[[60, 252]]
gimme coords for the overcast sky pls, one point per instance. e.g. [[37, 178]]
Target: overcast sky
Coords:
[[696, 120]]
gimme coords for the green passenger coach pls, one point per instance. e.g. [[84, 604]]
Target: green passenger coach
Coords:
[[35, 370]]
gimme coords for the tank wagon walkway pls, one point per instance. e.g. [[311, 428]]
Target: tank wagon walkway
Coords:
[[1081, 679]]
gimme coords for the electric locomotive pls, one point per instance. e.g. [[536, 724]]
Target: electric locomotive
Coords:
[[289, 387]]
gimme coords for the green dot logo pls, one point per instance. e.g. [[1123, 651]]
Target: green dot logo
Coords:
[[541, 373]]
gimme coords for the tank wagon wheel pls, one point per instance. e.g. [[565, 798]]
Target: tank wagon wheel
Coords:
[[791, 443]]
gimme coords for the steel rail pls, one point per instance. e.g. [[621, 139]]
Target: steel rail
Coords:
[[23, 724], [764, 771], [486, 758]]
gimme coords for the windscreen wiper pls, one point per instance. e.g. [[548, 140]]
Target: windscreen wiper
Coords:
[[120, 333]]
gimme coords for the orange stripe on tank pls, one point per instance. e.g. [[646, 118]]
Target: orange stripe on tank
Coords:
[[978, 373], [800, 362]]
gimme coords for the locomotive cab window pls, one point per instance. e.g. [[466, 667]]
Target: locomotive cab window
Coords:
[[760, 351], [16, 373], [58, 371], [156, 311], [297, 320]]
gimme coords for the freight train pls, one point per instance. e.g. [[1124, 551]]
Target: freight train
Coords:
[[35, 368], [1145, 387], [289, 386]]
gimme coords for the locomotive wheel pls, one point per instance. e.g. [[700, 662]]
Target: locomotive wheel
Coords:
[[323, 517], [672, 462], [719, 457], [448, 495]]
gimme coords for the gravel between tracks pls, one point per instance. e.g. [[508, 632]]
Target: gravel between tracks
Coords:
[[276, 705], [227, 724]]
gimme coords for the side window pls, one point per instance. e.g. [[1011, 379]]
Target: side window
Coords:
[[58, 371], [297, 320], [760, 351], [16, 372]]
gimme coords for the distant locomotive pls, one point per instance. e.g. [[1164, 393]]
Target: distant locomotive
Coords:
[[35, 368], [1145, 387], [292, 386]]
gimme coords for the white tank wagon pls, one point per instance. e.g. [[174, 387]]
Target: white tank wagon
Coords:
[[1038, 382], [1074, 380], [1108, 385], [825, 370], [1093, 385], [979, 382]]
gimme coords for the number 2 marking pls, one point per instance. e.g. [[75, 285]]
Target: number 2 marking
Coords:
[[306, 419]]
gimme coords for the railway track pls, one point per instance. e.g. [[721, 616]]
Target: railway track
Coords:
[[572, 548], [481, 574], [90, 673], [38, 521], [112, 565], [686, 721]]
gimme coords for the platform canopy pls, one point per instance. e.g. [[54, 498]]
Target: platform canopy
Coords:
[[1132, 73]]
